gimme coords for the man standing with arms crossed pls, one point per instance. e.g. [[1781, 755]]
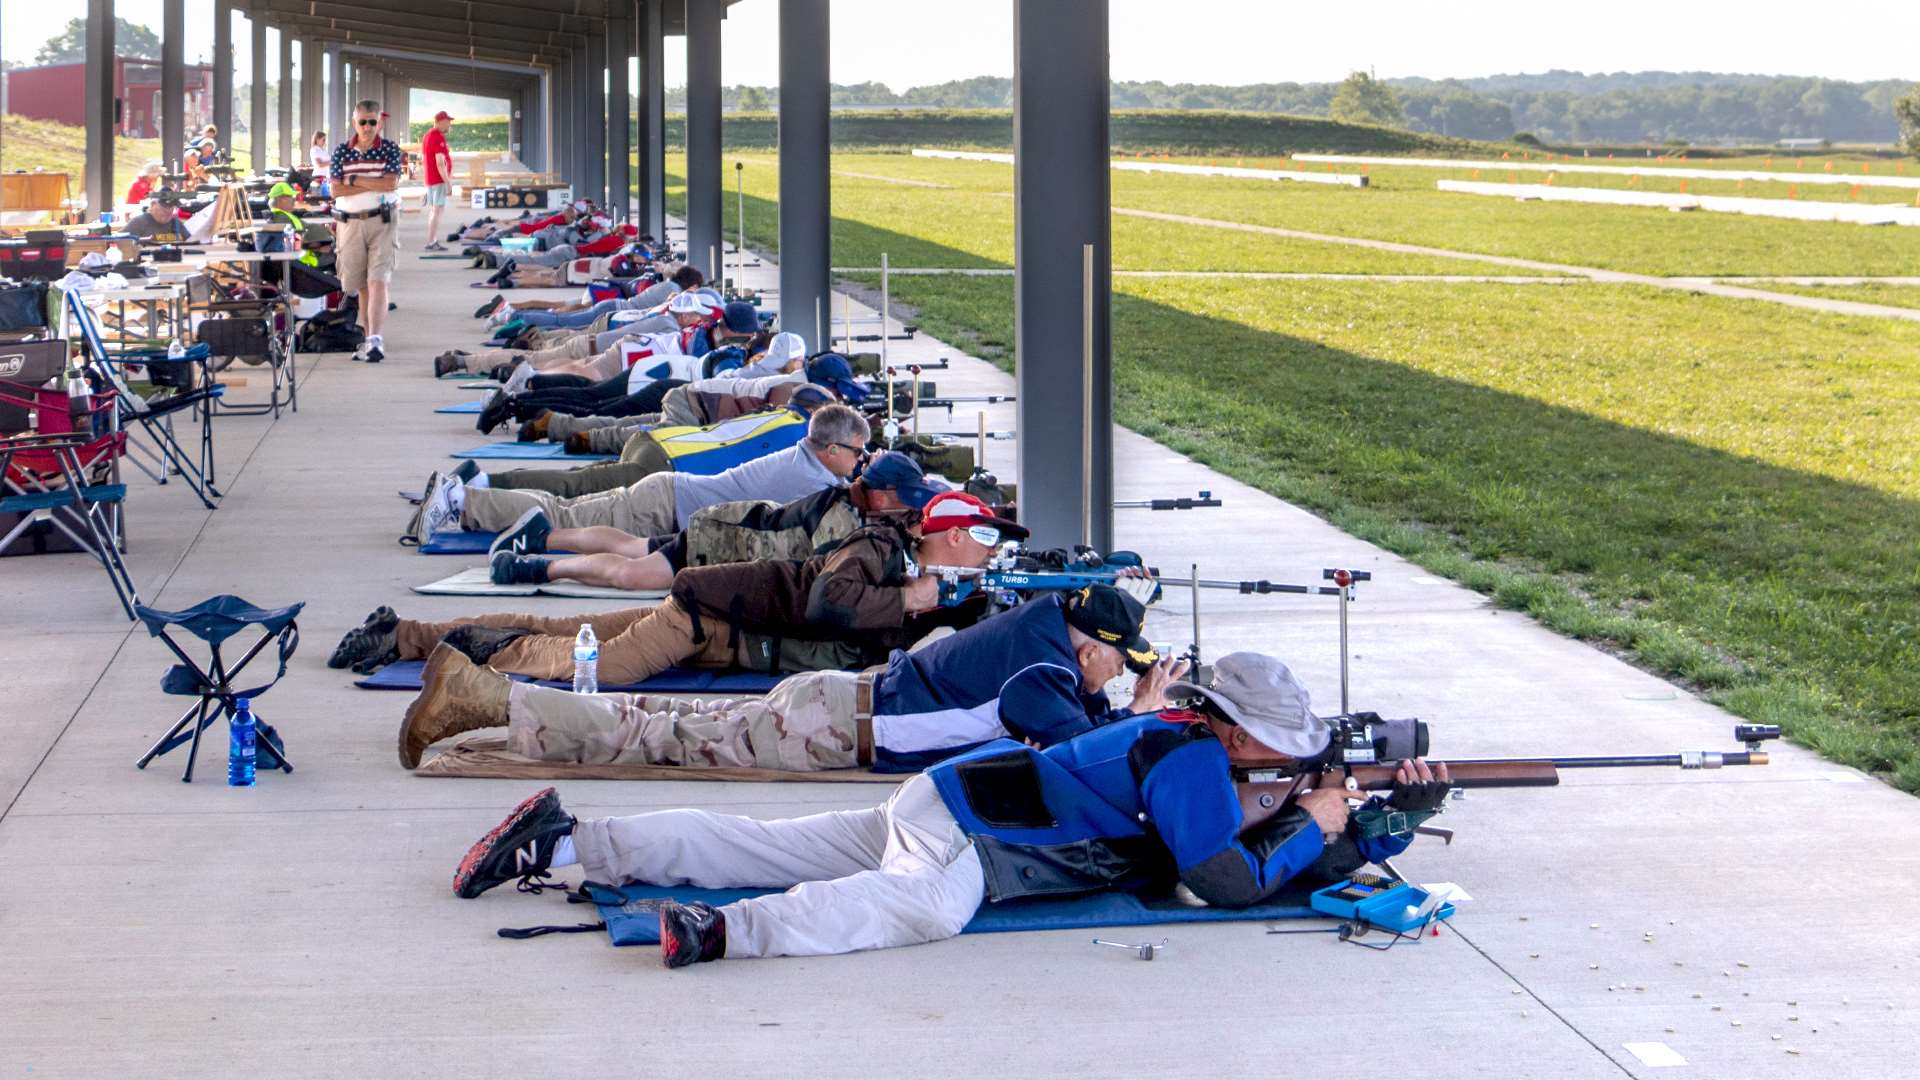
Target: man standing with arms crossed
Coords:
[[366, 171], [433, 150]]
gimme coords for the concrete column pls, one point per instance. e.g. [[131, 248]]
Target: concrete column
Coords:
[[223, 72], [397, 100], [284, 145], [653, 122], [1062, 197], [565, 163], [172, 120], [703, 134], [336, 96], [313, 111], [99, 105], [805, 146], [257, 98], [595, 73], [619, 117]]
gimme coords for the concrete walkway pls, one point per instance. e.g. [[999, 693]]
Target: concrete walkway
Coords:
[[306, 928], [1709, 286]]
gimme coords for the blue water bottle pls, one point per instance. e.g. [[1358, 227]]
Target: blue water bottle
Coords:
[[241, 734]]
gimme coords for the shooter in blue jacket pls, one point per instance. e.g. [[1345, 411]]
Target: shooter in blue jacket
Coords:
[[1138, 802]]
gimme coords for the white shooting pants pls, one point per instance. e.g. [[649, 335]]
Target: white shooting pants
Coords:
[[901, 873]]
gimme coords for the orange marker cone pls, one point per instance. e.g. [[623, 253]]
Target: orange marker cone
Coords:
[[1866, 168], [1769, 163], [1793, 191], [1829, 166], [1855, 193], [1505, 156], [1800, 163], [1476, 174], [1513, 178]]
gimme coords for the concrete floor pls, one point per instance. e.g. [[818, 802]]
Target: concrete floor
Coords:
[[306, 927]]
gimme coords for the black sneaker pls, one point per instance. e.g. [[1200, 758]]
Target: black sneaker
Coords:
[[526, 536], [691, 933], [375, 354], [497, 410], [519, 847], [374, 642], [448, 364], [506, 568], [490, 306], [465, 471]]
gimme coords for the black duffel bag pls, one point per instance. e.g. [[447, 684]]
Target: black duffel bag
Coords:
[[24, 306]]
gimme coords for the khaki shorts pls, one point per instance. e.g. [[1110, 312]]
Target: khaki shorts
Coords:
[[437, 194], [364, 249]]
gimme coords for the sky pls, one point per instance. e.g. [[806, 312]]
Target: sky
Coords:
[[1253, 41]]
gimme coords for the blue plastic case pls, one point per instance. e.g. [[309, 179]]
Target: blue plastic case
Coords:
[[1389, 907]]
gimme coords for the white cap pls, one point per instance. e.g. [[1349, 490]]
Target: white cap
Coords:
[[686, 303], [785, 349]]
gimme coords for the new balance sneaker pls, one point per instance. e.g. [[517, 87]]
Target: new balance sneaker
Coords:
[[466, 471], [506, 568], [519, 847], [691, 933], [526, 536], [502, 312], [440, 510], [370, 645], [518, 379], [448, 363], [375, 350]]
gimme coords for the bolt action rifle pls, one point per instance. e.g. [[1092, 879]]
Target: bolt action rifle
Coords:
[[1366, 750], [1015, 574]]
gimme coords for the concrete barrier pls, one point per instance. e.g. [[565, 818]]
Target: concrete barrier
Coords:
[[1338, 179], [1799, 210]]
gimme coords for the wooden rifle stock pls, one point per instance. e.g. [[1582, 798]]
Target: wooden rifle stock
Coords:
[[1262, 799]]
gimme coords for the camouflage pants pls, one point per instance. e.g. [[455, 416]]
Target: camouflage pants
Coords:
[[807, 722]]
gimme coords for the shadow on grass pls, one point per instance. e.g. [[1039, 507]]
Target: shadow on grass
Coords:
[[1786, 597]]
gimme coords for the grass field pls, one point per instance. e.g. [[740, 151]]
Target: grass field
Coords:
[[40, 144], [1724, 491], [1906, 296]]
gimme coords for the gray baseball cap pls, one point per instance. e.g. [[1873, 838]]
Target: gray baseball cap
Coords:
[[1262, 695]]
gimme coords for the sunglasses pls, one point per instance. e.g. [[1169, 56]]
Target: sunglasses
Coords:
[[856, 451], [984, 535], [368, 123]]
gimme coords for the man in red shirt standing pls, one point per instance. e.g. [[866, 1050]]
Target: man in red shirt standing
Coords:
[[433, 148]]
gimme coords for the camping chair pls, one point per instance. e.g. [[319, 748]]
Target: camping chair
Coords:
[[214, 621], [253, 327], [154, 416], [26, 487]]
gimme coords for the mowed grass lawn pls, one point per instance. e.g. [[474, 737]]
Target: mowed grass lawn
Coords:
[[1906, 296], [1727, 492]]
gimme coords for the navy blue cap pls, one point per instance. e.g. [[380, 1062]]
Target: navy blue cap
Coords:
[[740, 317], [832, 371], [900, 474]]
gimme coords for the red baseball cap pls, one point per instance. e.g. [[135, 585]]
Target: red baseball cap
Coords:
[[959, 510], [442, 115]]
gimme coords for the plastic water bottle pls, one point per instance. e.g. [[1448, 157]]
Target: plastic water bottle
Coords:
[[586, 661], [241, 736], [175, 350]]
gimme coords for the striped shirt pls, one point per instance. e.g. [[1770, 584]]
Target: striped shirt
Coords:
[[384, 159]]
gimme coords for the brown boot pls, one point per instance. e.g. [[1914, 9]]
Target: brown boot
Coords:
[[535, 429], [577, 443], [456, 696]]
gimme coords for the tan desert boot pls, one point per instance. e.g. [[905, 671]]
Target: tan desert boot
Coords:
[[456, 695]]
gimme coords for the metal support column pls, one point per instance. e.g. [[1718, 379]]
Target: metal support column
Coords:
[[1062, 199], [653, 120], [99, 103], [805, 146], [703, 135], [172, 120], [595, 72], [284, 144], [565, 159], [619, 120], [223, 72], [257, 96]]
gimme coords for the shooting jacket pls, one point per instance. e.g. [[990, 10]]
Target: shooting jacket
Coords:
[[1139, 802]]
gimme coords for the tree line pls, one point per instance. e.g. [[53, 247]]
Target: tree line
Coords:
[[1553, 106]]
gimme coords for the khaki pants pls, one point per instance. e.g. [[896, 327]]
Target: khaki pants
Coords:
[[901, 873], [805, 723], [573, 350], [641, 509], [649, 459], [363, 249]]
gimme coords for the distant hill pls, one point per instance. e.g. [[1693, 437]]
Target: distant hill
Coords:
[[1556, 106]]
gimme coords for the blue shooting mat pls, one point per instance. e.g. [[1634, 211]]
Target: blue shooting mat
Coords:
[[632, 912], [509, 450], [405, 675], [458, 542], [463, 407]]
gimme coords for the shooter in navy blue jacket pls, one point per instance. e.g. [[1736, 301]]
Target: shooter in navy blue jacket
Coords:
[[1147, 800]]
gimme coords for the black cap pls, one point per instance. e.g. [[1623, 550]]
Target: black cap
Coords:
[[1110, 616]]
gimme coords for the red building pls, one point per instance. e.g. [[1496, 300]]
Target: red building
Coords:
[[58, 92]]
